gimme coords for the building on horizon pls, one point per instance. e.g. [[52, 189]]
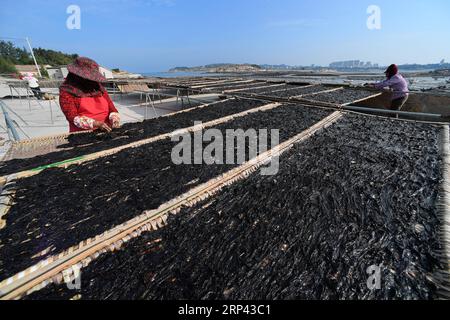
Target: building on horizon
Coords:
[[353, 64]]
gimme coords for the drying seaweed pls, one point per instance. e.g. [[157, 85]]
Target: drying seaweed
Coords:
[[273, 87], [238, 87], [59, 208], [224, 84], [83, 144], [361, 193], [231, 86], [297, 92], [341, 96]]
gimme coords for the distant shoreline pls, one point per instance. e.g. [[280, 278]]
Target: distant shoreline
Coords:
[[179, 74]]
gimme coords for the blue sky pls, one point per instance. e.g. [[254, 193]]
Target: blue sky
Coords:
[[154, 35]]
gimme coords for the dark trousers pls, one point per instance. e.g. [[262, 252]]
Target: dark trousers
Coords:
[[37, 92], [398, 104]]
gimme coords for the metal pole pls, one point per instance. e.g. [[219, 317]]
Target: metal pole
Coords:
[[18, 92], [16, 114], [34, 58], [419, 116], [28, 98], [9, 123], [154, 110], [146, 106], [188, 99], [51, 111]]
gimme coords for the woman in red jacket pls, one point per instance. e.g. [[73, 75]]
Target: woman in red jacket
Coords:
[[84, 101]]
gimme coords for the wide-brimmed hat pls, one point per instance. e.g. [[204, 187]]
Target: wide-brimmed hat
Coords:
[[87, 69], [392, 69]]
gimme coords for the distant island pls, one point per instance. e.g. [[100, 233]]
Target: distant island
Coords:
[[342, 66], [220, 68]]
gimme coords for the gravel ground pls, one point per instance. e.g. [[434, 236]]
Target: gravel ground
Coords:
[[79, 145], [59, 208], [361, 193]]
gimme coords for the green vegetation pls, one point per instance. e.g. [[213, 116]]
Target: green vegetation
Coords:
[[44, 72], [53, 58], [6, 66], [11, 55]]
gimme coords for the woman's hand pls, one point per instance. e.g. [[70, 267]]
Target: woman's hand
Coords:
[[114, 118], [116, 123], [100, 125]]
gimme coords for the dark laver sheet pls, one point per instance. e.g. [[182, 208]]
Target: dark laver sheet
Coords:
[[59, 208], [220, 88], [271, 87], [79, 145], [297, 92], [360, 194], [341, 96]]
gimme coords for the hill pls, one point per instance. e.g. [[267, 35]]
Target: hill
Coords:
[[219, 68]]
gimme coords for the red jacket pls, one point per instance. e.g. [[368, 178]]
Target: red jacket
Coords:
[[98, 108]]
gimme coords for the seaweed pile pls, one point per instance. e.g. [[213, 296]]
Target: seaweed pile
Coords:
[[228, 83], [228, 86], [341, 96], [237, 87], [82, 144], [158, 126], [59, 208], [361, 193], [273, 87], [298, 92]]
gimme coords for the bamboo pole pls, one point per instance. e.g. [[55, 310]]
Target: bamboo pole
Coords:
[[34, 58], [441, 278]]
